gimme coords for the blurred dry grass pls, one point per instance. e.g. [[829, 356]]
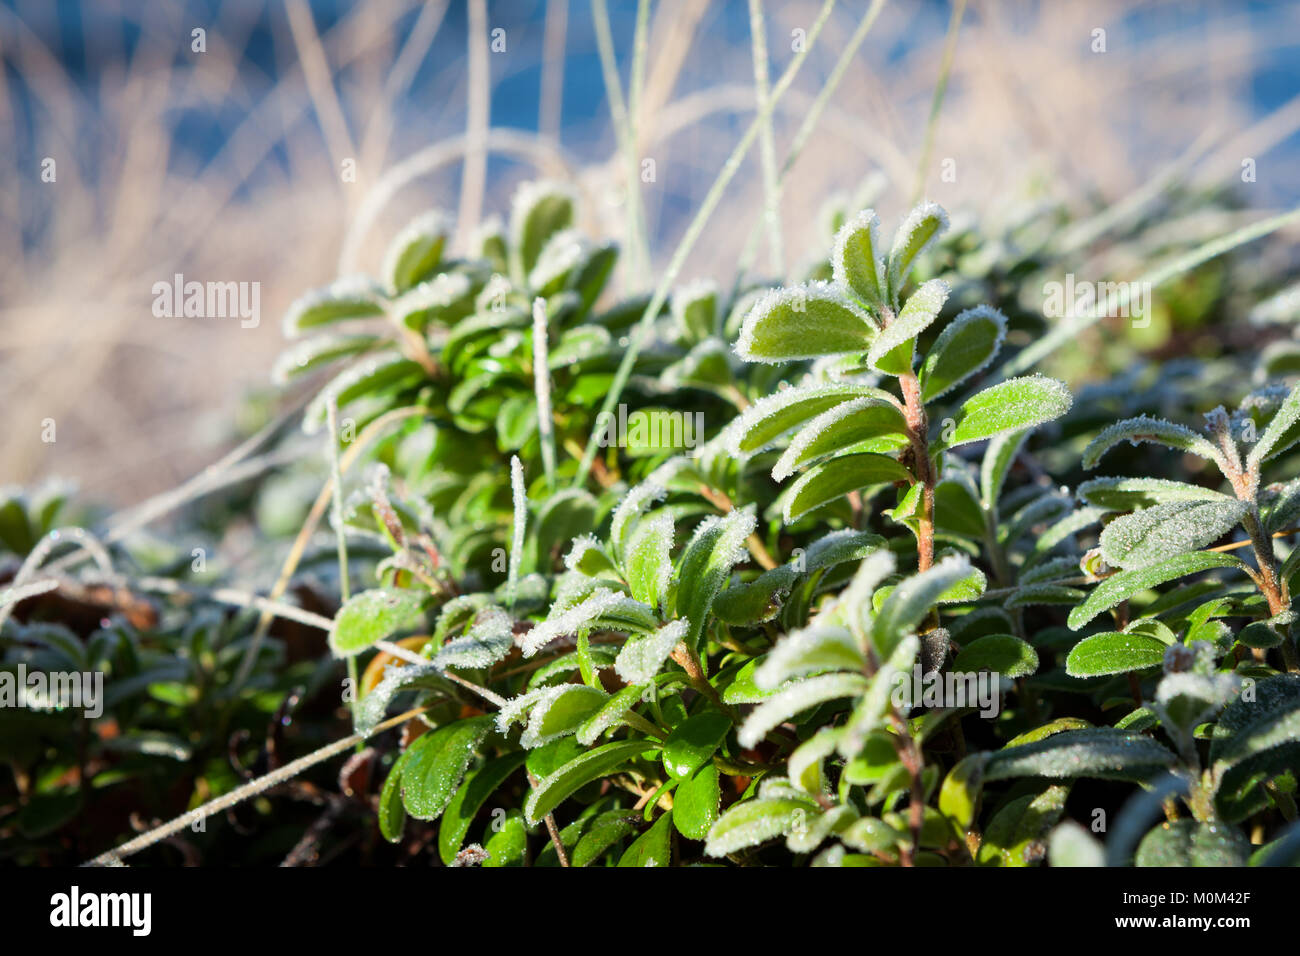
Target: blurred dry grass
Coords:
[[142, 402]]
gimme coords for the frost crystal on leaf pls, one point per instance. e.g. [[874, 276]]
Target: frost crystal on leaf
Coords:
[[643, 657]]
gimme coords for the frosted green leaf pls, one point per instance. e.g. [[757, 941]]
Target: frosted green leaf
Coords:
[[842, 427], [1001, 654], [392, 815], [639, 500], [805, 763], [435, 764], [757, 821], [1129, 494], [908, 603], [643, 657], [1192, 843], [1073, 846], [537, 211], [695, 309], [601, 604], [649, 562], [796, 698], [316, 352], [1144, 428], [375, 615], [1114, 652], [857, 597], [892, 351], [1259, 735], [840, 547], [552, 790], [563, 253], [758, 600], [611, 713], [824, 483], [1102, 752], [717, 545], [965, 347], [1012, 405], [444, 300], [804, 322], [347, 298], [606, 830], [857, 260], [1124, 585], [376, 373], [416, 251], [810, 650], [469, 799], [923, 226], [814, 832], [769, 418], [488, 640], [1280, 505], [999, 456], [1282, 432], [1164, 531], [559, 711]]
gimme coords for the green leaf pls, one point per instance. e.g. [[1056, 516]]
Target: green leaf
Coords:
[[435, 764], [375, 615], [1282, 432], [469, 799], [840, 428], [642, 657], [908, 603], [716, 546], [999, 456], [599, 762], [1016, 836], [693, 742], [652, 848], [1129, 494], [611, 713], [794, 699], [758, 601], [351, 297], [803, 322], [1015, 404], [1161, 532], [507, 846], [416, 251], [857, 260], [537, 212], [373, 374], [892, 350], [814, 649], [1192, 843], [606, 830], [1144, 428], [965, 347], [999, 653], [923, 225], [316, 352], [1073, 846], [1101, 752], [649, 561], [757, 821], [1120, 587], [959, 796], [1114, 653], [392, 815], [696, 801], [832, 479], [769, 418], [560, 711], [695, 309], [1257, 734]]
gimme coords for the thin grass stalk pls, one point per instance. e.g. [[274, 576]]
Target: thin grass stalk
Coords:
[[687, 243], [771, 190], [936, 104], [474, 177]]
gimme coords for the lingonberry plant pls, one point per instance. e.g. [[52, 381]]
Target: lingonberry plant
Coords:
[[845, 622]]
